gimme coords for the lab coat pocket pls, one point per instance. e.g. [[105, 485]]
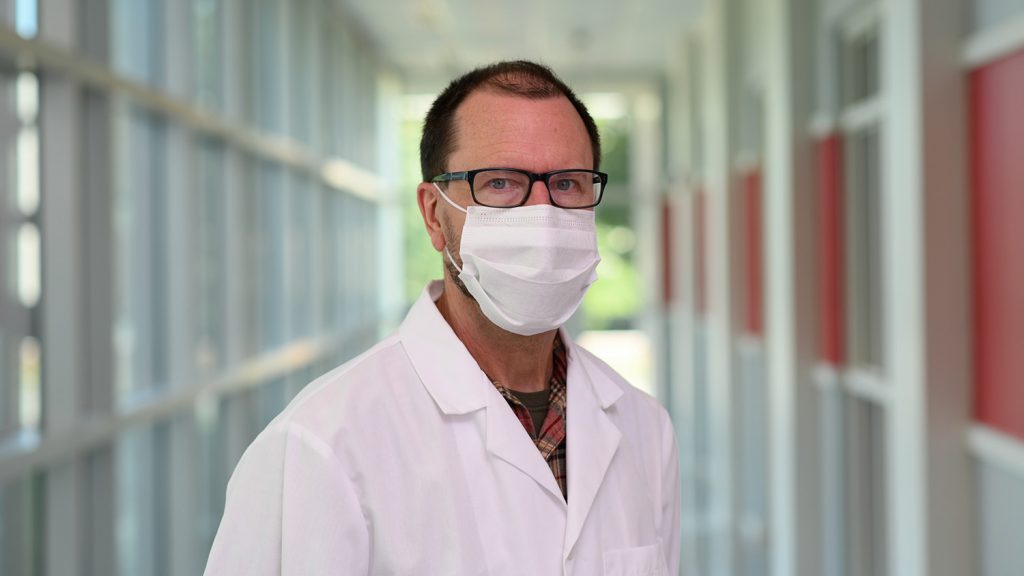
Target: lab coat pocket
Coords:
[[641, 561]]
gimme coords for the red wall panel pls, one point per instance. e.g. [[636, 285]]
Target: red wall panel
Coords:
[[754, 257], [830, 250], [997, 203]]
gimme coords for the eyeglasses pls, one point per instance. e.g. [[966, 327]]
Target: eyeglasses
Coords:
[[510, 187]]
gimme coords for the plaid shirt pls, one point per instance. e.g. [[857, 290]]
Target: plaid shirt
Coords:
[[551, 441]]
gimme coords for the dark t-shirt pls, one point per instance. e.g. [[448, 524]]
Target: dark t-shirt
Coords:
[[537, 403]]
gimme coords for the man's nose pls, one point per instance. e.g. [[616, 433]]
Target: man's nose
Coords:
[[538, 194]]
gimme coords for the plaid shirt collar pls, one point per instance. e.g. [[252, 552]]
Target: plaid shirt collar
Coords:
[[551, 441]]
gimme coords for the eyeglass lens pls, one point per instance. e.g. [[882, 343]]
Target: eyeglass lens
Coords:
[[509, 188]]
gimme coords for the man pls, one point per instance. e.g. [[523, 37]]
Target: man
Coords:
[[478, 439]]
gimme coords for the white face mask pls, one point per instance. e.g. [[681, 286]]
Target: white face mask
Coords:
[[528, 267]]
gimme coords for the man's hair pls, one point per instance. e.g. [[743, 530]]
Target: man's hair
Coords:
[[521, 78]]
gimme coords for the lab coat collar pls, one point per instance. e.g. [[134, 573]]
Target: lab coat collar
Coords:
[[592, 438], [446, 368], [458, 386]]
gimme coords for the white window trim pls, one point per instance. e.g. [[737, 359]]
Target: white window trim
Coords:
[[24, 453], [821, 126], [865, 114], [861, 20], [867, 384], [986, 46], [997, 448]]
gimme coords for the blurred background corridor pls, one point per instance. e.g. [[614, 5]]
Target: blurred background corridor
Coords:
[[811, 249]]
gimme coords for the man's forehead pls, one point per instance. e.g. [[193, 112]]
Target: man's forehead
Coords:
[[498, 107], [540, 133]]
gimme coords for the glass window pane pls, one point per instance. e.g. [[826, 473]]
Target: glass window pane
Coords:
[[140, 232], [864, 304], [210, 260], [301, 257], [208, 53], [138, 39], [866, 511], [988, 13], [303, 82], [253, 260], [753, 474], [274, 190], [1001, 506], [861, 66], [142, 499], [21, 526], [267, 66], [26, 17]]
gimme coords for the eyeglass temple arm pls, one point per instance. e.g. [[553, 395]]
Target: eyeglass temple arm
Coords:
[[450, 176]]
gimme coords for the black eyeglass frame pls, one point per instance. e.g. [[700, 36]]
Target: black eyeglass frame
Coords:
[[470, 175]]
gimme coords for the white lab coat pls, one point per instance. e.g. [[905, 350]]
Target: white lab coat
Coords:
[[408, 461]]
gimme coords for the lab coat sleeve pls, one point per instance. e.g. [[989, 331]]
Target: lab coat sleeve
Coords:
[[291, 509], [671, 503]]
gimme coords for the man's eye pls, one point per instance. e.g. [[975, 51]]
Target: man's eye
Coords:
[[566, 185], [497, 183]]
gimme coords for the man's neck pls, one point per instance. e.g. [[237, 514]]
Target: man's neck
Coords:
[[520, 363]]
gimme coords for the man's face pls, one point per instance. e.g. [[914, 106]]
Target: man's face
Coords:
[[497, 130]]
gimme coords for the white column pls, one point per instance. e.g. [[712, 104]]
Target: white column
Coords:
[[645, 193], [790, 290], [718, 143], [926, 271], [390, 273]]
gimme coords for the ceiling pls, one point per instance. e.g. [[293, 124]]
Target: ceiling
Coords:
[[430, 41]]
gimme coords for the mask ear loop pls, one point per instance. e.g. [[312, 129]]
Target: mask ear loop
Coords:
[[449, 200], [457, 207]]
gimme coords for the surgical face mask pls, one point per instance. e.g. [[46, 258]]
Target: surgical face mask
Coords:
[[528, 267]]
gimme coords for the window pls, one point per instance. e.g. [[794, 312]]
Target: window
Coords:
[[863, 248], [195, 255], [210, 259], [140, 331]]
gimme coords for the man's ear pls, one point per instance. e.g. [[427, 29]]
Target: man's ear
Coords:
[[426, 197]]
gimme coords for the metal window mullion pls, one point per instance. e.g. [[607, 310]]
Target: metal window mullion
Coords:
[[8, 302], [234, 166], [291, 184], [98, 329], [178, 498], [317, 51], [64, 389], [347, 92]]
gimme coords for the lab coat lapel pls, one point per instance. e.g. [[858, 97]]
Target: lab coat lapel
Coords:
[[592, 439], [508, 440], [446, 369], [458, 386]]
